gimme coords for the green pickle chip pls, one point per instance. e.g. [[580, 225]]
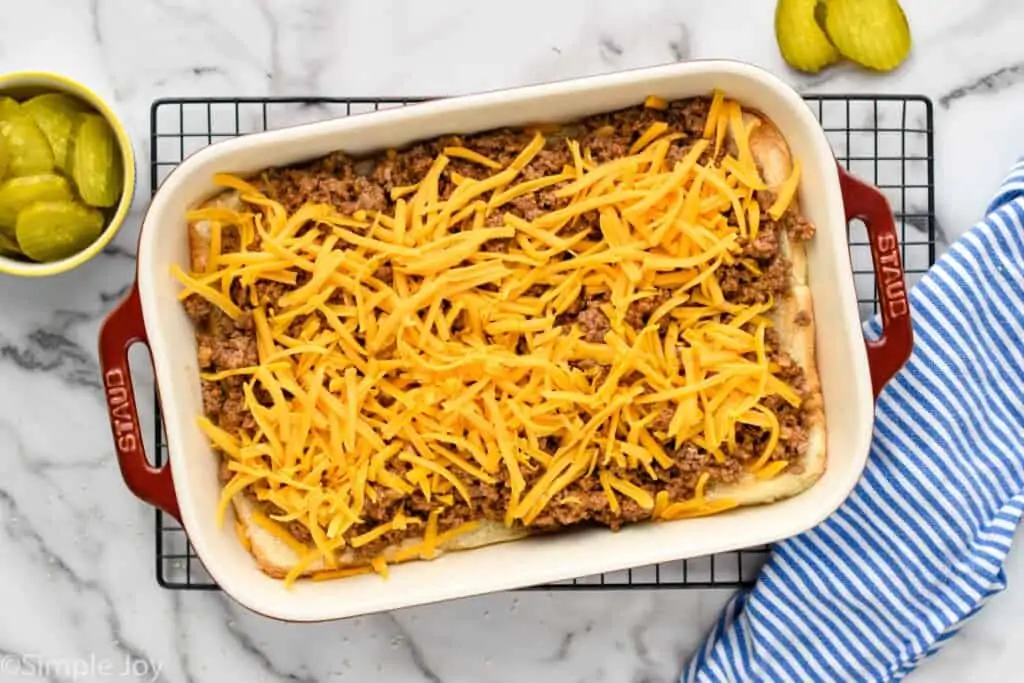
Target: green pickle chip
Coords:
[[873, 33], [18, 193], [96, 163], [9, 108], [50, 231], [8, 247], [57, 116], [802, 42], [58, 101], [5, 157], [28, 149]]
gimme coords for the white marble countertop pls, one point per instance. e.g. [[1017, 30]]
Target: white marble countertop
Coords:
[[77, 588]]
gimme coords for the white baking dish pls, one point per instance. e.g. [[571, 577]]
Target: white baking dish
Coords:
[[188, 487]]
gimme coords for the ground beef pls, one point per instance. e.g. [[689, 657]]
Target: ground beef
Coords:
[[406, 168], [549, 444], [269, 292], [765, 199], [788, 369], [296, 528], [352, 185], [385, 274], [457, 515], [585, 501], [224, 473], [300, 531], [740, 285], [327, 181], [221, 325], [766, 244], [206, 346], [491, 500], [213, 398], [369, 196], [549, 161], [567, 509], [609, 136], [459, 323], [230, 239], [500, 245], [693, 113], [799, 228], [495, 219], [198, 309], [775, 278], [466, 169], [593, 323], [793, 424], [691, 460], [235, 352], [728, 472], [750, 442], [640, 310], [605, 147], [233, 415], [678, 152], [223, 344], [501, 145], [528, 207], [574, 309], [664, 419]]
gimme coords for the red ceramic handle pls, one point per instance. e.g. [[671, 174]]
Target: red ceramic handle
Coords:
[[123, 328], [890, 351]]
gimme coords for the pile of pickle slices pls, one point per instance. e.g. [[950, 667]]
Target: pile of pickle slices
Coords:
[[814, 34], [60, 171]]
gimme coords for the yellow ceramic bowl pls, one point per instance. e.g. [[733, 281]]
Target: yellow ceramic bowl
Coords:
[[27, 84]]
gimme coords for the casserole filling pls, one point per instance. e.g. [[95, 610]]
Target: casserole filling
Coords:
[[538, 328]]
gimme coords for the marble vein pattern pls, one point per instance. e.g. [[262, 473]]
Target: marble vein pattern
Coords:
[[76, 549]]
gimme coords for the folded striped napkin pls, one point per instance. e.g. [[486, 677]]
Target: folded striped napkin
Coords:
[[919, 545]]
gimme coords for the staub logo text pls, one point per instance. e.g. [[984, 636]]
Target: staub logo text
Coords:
[[126, 432], [890, 276]]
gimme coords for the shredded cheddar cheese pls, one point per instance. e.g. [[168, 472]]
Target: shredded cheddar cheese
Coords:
[[655, 102], [453, 372]]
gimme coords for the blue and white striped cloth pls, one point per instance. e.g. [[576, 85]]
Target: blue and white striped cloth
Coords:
[[919, 545]]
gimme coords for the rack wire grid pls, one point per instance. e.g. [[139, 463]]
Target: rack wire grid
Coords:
[[884, 139]]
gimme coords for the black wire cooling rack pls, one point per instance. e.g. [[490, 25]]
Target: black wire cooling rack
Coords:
[[884, 139]]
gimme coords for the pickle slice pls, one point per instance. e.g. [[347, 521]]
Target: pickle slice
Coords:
[[58, 101], [873, 33], [96, 164], [9, 109], [28, 149], [50, 231], [17, 193], [57, 116], [8, 247], [801, 40], [5, 157]]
